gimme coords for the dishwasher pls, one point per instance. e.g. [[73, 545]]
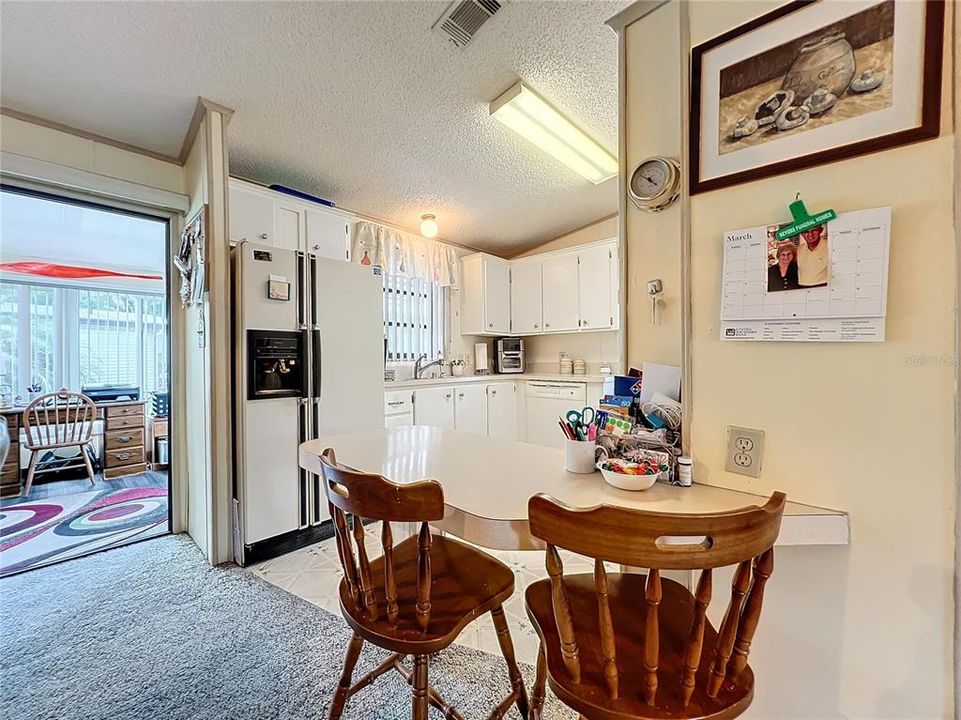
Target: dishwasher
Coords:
[[546, 402]]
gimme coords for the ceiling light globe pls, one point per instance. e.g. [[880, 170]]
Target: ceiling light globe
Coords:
[[428, 226]]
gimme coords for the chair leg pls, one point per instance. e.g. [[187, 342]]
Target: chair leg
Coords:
[[86, 461], [343, 687], [507, 650], [420, 688], [31, 469], [540, 686]]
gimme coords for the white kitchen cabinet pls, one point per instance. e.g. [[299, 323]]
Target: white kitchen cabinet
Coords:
[[398, 408], [485, 295], [289, 226], [327, 234], [526, 300], [502, 410], [251, 215], [560, 292], [434, 406], [470, 408], [595, 301]]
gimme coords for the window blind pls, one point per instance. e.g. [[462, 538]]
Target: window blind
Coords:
[[413, 318]]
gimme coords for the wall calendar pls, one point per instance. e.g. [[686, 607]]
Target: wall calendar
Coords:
[[828, 284]]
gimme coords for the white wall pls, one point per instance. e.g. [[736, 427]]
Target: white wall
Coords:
[[42, 143], [863, 631]]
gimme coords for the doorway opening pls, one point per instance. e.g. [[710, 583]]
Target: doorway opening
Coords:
[[84, 378]]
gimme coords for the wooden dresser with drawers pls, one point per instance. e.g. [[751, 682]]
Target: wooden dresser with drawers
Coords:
[[123, 439]]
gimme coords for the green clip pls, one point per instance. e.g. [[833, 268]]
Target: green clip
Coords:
[[803, 220]]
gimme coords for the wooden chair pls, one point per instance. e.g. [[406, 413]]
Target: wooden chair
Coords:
[[417, 597], [637, 649], [58, 420]]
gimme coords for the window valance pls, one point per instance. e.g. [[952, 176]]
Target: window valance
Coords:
[[405, 254]]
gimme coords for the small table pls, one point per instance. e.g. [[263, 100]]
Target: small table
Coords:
[[487, 482]]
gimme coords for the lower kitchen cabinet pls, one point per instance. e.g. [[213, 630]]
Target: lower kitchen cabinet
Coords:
[[482, 408], [434, 406], [470, 408], [502, 410]]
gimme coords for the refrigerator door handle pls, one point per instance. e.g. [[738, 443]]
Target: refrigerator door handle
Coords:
[[312, 290], [315, 364], [317, 491], [306, 491], [302, 291]]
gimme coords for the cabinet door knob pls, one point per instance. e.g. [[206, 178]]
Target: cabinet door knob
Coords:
[[547, 325], [490, 325], [263, 236], [584, 322], [535, 326], [447, 396], [460, 395], [493, 392]]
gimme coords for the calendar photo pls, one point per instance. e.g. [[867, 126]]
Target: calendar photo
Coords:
[[797, 263]]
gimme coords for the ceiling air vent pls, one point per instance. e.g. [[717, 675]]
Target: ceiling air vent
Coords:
[[463, 18]]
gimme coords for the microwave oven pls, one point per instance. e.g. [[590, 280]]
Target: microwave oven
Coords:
[[510, 355]]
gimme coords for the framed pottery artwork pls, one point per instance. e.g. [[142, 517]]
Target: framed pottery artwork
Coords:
[[812, 82]]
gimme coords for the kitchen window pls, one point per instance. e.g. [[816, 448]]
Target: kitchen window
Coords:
[[413, 318]]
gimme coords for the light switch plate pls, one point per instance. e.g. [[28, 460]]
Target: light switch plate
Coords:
[[744, 449]]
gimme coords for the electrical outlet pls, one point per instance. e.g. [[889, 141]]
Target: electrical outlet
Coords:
[[744, 448]]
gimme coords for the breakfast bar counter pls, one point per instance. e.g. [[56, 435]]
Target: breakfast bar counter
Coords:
[[487, 482]]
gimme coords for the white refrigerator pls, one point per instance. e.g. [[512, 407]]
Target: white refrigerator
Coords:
[[309, 362]]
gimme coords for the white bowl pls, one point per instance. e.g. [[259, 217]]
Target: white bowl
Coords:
[[629, 482]]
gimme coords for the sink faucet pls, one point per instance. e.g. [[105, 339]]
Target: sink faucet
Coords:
[[419, 369]]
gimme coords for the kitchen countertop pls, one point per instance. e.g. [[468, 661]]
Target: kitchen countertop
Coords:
[[487, 482], [506, 377]]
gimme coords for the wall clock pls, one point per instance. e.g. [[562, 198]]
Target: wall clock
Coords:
[[655, 183]]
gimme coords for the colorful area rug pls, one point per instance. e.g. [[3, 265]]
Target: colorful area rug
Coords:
[[38, 532]]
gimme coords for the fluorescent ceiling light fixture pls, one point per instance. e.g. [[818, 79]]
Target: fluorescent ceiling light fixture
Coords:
[[528, 114]]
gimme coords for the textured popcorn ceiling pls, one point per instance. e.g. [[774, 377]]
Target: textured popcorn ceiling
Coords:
[[355, 101]]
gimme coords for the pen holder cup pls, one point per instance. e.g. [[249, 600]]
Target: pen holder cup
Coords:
[[579, 456]]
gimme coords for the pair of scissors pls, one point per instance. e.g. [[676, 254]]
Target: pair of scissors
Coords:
[[583, 418]]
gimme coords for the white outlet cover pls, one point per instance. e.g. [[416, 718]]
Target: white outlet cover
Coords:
[[745, 447]]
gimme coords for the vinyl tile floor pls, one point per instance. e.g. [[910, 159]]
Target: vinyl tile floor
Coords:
[[314, 574]]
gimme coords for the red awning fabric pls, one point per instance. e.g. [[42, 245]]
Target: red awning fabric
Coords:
[[69, 272]]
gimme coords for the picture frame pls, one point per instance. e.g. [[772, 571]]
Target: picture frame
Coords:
[[813, 82]]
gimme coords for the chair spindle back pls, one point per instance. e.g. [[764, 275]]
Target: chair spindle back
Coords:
[[353, 496], [663, 541], [58, 419]]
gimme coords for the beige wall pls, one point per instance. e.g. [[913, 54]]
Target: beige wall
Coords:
[[863, 631], [194, 391], [651, 127], [602, 229]]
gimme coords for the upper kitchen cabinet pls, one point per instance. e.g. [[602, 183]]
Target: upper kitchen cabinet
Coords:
[[526, 299], [263, 216], [560, 292], [485, 295], [289, 225], [597, 287], [327, 234], [251, 215]]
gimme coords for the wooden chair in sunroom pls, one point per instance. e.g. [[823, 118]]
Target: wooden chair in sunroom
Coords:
[[419, 595], [54, 421], [627, 646]]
